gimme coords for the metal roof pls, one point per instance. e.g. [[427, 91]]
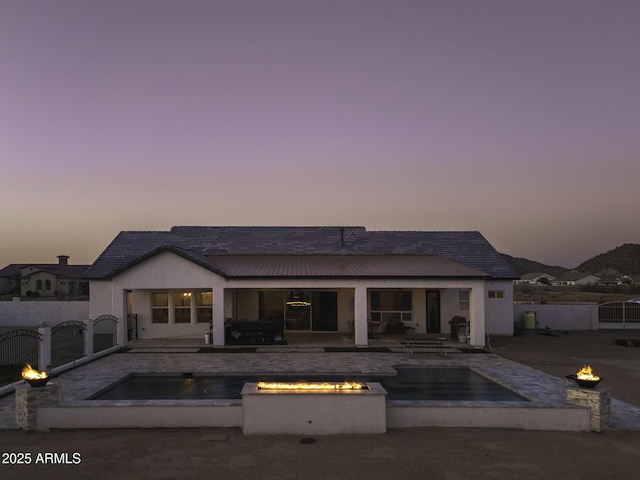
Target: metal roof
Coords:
[[336, 266]]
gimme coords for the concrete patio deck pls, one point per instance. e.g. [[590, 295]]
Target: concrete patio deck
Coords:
[[190, 355]]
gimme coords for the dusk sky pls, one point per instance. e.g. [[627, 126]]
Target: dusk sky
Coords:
[[519, 119]]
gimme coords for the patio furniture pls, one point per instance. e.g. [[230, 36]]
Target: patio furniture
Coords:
[[422, 342], [247, 332]]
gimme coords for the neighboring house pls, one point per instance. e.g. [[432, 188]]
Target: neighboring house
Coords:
[[314, 279], [536, 278], [610, 281], [44, 280], [575, 278], [633, 279]]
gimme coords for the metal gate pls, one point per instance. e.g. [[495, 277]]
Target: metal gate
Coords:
[[67, 342], [104, 332], [619, 315], [17, 348], [132, 326]]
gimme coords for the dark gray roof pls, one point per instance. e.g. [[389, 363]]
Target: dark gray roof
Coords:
[[198, 244]]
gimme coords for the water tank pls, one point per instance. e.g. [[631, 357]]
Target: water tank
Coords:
[[529, 320]]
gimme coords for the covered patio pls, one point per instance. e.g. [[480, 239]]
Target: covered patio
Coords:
[[266, 285]]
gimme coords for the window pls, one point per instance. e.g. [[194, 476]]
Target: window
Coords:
[[393, 306], [47, 284], [38, 284], [496, 293], [182, 307], [159, 308], [204, 304], [463, 300]]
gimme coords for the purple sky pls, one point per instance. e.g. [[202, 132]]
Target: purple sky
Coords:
[[520, 119]]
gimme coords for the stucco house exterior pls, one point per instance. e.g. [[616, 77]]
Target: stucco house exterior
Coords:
[[60, 280], [313, 279]]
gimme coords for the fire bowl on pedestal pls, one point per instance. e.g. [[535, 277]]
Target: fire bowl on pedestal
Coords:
[[584, 383], [37, 382]]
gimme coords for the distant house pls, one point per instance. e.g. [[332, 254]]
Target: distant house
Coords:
[[536, 278], [44, 279], [610, 281], [633, 279], [312, 279], [575, 278]]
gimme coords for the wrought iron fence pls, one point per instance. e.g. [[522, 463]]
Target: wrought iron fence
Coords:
[[104, 332], [619, 313], [17, 348], [67, 342], [50, 347]]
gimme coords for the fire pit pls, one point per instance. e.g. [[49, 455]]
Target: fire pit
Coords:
[[312, 386], [33, 377], [585, 378], [313, 408]]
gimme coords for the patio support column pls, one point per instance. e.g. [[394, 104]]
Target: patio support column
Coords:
[[360, 316], [476, 313], [218, 317], [119, 304]]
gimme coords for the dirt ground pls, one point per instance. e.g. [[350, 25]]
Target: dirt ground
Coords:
[[566, 353], [437, 453]]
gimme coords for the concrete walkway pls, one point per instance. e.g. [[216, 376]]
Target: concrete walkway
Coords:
[[542, 389]]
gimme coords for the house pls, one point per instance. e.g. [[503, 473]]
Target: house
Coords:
[[575, 278], [536, 278], [310, 279], [59, 280], [633, 279]]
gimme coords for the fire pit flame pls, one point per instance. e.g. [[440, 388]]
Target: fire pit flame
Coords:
[[585, 377], [34, 377], [318, 386], [586, 373]]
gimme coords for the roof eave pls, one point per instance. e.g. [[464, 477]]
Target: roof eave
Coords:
[[151, 253]]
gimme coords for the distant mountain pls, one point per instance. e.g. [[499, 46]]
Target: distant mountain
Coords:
[[624, 259], [522, 266]]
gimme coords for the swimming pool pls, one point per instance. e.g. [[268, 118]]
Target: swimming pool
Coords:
[[409, 383]]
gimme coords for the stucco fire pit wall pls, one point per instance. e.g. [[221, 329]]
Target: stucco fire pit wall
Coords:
[[313, 412]]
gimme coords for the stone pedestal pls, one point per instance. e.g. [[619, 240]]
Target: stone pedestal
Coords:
[[597, 399], [29, 398]]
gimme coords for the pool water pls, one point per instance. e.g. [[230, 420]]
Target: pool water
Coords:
[[410, 383]]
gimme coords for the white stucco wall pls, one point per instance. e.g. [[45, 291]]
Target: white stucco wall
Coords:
[[31, 313], [499, 311], [568, 316], [165, 271]]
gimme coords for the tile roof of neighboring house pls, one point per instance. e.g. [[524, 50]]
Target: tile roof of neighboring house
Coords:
[[199, 244], [67, 271]]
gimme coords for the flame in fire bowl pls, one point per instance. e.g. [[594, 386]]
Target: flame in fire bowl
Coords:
[[585, 378], [35, 378]]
